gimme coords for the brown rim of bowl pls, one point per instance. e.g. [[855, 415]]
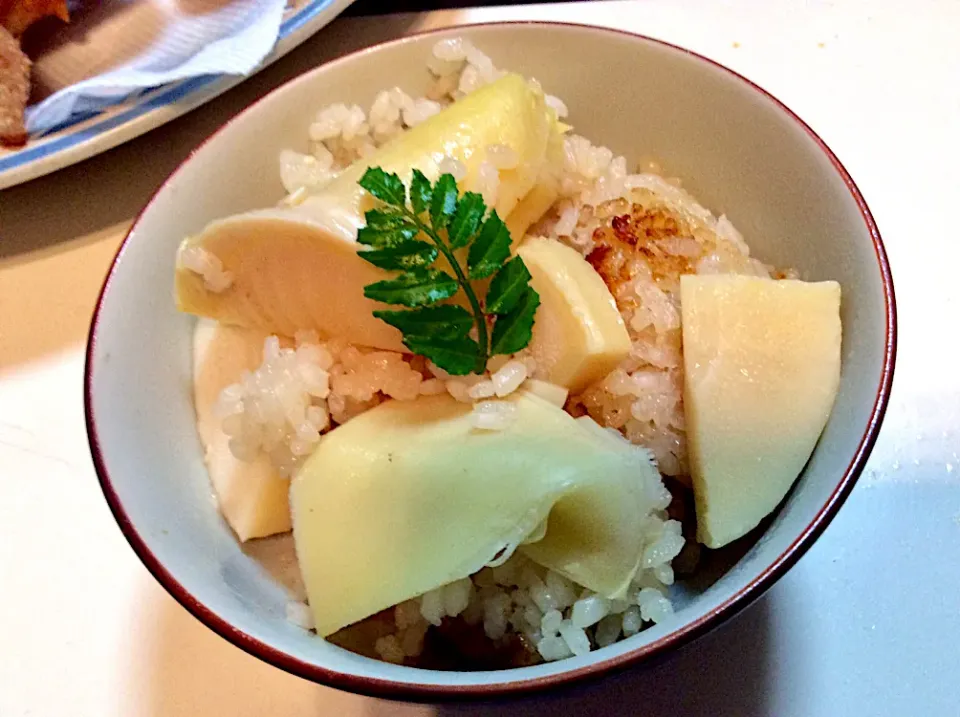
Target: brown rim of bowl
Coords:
[[413, 691]]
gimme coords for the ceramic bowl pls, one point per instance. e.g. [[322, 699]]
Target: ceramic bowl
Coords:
[[739, 150]]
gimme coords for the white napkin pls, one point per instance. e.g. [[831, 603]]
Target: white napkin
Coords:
[[179, 41]]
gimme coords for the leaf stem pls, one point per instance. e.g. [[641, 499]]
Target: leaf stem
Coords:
[[479, 317]]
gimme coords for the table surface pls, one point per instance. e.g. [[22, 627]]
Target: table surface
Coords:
[[867, 623]]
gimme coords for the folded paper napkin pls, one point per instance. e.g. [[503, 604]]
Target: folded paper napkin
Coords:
[[180, 40]]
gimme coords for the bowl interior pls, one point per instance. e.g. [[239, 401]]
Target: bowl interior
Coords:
[[737, 150]]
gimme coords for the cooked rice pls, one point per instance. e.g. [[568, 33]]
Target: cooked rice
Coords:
[[340, 134], [492, 415], [306, 387], [553, 615], [208, 265], [640, 231]]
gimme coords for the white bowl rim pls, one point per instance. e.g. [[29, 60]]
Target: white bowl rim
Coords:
[[412, 690]]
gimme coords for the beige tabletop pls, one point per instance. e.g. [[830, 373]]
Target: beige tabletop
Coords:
[[866, 623]]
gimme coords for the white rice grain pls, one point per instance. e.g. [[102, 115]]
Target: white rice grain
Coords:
[[554, 648], [576, 639], [431, 606], [453, 49], [482, 389], [208, 265], [558, 106], [568, 220], [664, 573], [456, 596], [666, 547], [632, 621], [508, 378], [384, 117], [562, 591], [492, 415], [654, 607], [304, 171], [449, 165], [338, 120], [550, 623], [420, 111], [589, 611]]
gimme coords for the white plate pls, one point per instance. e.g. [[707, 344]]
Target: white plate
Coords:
[[145, 111]]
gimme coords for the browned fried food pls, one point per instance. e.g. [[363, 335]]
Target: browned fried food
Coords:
[[14, 90], [17, 15]]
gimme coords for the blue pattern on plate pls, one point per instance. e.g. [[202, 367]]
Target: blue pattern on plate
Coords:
[[151, 100]]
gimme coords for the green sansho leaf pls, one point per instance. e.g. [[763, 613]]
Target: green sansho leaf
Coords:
[[387, 218], [386, 187], [466, 220], [416, 287], [455, 356], [411, 239], [381, 239], [443, 202], [447, 321], [490, 249], [507, 286], [405, 255], [513, 330], [386, 228], [420, 192]]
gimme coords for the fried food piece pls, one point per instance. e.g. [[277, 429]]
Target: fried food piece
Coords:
[[17, 15], [14, 90]]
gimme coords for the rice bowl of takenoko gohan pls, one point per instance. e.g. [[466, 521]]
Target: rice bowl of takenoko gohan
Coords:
[[479, 394]]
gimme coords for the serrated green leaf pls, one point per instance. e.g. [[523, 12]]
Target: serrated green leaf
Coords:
[[442, 332], [455, 356], [386, 228], [402, 256], [443, 202], [466, 220], [380, 239], [447, 321], [490, 249], [386, 218], [420, 192], [417, 287], [386, 187], [507, 286], [513, 330]]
